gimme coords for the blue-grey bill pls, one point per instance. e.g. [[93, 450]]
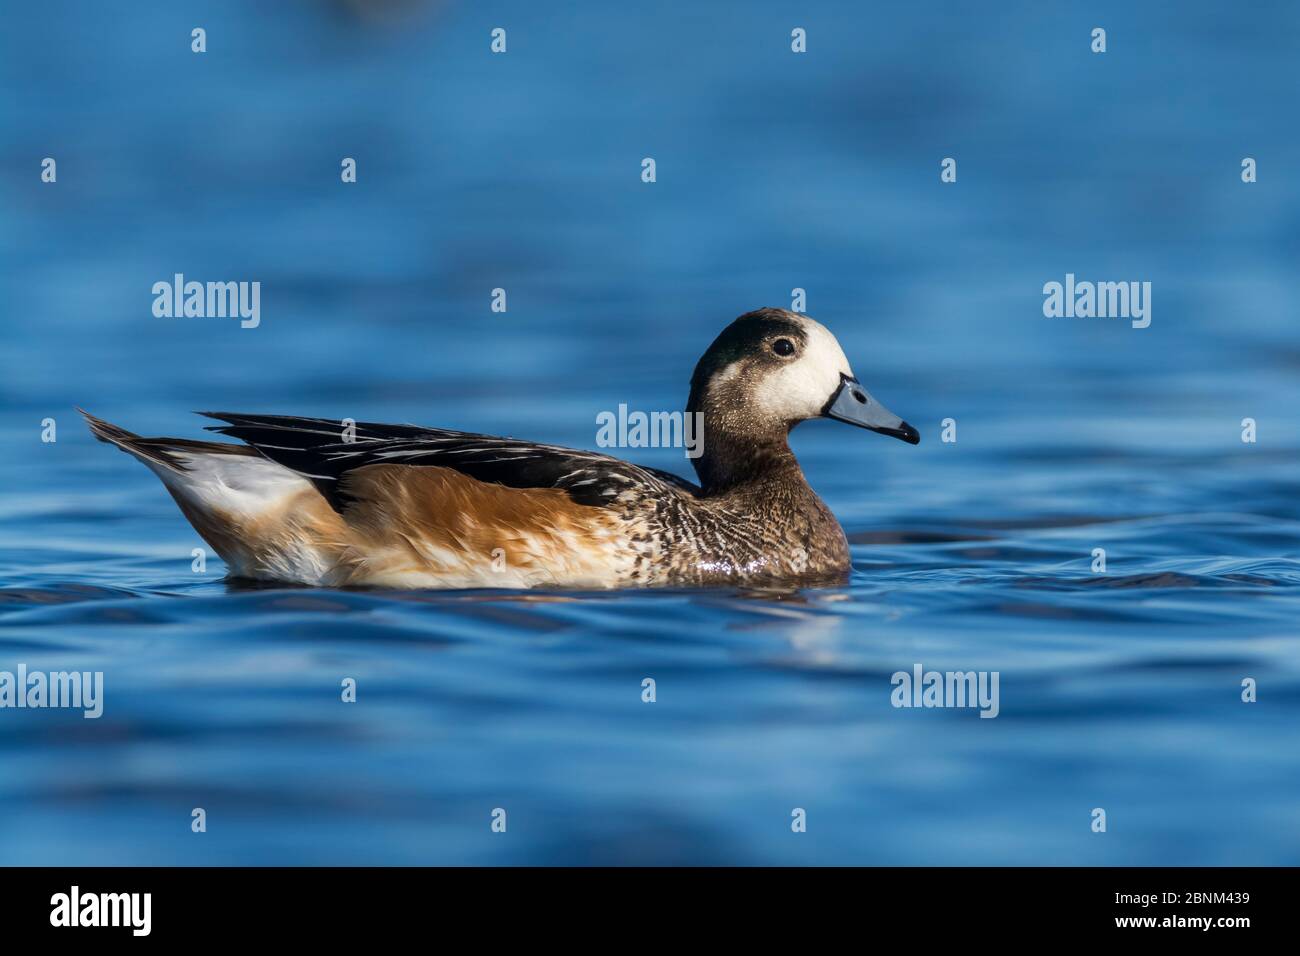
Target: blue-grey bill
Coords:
[[853, 404]]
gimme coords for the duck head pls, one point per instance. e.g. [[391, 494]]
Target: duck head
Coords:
[[766, 372]]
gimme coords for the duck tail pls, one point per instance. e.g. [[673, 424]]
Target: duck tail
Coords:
[[159, 451], [264, 520]]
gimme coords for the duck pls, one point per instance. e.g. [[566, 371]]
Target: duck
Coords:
[[336, 503]]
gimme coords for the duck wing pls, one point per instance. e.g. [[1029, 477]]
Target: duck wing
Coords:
[[315, 448]]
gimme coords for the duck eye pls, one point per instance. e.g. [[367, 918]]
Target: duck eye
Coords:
[[783, 347]]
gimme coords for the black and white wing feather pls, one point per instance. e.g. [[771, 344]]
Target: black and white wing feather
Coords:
[[320, 449]]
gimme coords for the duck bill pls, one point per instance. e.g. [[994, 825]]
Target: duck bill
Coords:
[[854, 405]]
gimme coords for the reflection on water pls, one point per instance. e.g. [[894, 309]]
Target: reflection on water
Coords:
[[1118, 689]]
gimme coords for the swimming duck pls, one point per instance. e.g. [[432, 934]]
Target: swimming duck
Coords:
[[310, 501]]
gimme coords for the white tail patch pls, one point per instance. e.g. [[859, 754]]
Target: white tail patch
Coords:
[[263, 519], [241, 486]]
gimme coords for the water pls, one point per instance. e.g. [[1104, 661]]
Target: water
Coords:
[[1119, 690]]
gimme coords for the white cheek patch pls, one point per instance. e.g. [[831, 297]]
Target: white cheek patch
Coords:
[[802, 387]]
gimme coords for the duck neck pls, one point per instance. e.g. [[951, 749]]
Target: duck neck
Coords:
[[737, 456]]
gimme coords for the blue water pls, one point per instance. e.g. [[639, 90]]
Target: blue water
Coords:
[[1118, 690]]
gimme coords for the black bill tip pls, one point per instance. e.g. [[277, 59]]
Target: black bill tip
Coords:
[[904, 432]]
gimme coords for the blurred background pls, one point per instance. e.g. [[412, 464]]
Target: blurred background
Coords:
[[775, 170]]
